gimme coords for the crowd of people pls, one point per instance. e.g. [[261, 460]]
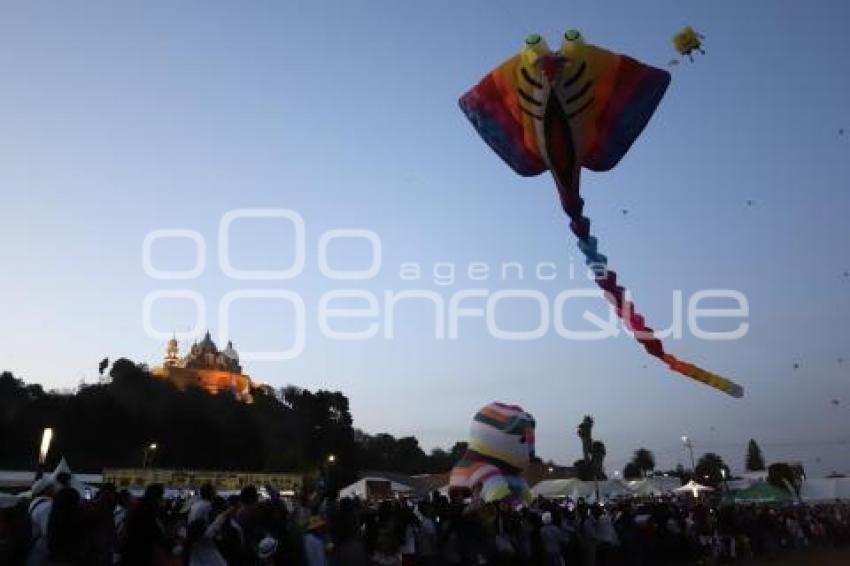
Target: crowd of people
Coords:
[[59, 526]]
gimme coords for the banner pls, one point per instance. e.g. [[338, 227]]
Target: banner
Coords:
[[189, 479]]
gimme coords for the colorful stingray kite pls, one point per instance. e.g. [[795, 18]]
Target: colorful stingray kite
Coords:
[[581, 106]]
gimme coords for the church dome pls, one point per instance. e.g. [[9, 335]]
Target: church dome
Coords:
[[207, 344]]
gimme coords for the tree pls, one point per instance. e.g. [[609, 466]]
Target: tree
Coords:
[[597, 459], [585, 434], [631, 471], [583, 470], [592, 464], [709, 470], [644, 461], [111, 424], [785, 476], [755, 459]]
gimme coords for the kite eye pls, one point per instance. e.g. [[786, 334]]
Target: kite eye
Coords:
[[533, 39], [572, 35]]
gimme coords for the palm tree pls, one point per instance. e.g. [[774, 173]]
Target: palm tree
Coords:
[[755, 459], [584, 432], [644, 461], [710, 469], [597, 458]]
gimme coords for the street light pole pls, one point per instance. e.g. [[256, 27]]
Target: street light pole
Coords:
[[149, 450], [690, 445], [46, 438]]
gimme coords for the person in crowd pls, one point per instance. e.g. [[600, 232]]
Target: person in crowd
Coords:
[[39, 515], [552, 539], [314, 542], [203, 529], [349, 549], [66, 532], [101, 518], [606, 535], [145, 541], [60, 527], [588, 534], [426, 535], [242, 533], [200, 507]]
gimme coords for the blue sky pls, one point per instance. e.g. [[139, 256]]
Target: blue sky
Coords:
[[117, 119]]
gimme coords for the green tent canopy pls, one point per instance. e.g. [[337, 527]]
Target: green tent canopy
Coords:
[[761, 492]]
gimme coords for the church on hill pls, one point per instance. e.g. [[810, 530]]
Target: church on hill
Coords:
[[206, 367]]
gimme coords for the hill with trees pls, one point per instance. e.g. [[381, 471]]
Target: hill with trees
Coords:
[[111, 424]]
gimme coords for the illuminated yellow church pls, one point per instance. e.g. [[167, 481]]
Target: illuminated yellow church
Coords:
[[207, 368]]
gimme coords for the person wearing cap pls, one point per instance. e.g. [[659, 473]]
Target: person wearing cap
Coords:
[[314, 544]]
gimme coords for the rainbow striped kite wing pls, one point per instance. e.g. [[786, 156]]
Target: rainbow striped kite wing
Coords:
[[495, 109]]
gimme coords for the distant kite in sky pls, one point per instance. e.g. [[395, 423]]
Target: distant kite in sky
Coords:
[[687, 41], [580, 106]]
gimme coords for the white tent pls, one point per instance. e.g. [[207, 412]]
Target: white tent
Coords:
[[75, 482], [575, 488], [842, 488], [658, 485], [693, 488], [554, 488], [358, 488], [814, 490], [611, 489]]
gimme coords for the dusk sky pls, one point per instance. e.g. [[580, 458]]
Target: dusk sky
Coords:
[[118, 119]]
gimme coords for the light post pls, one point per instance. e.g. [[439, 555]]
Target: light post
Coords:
[[725, 485], [46, 439], [329, 472], [150, 449], [690, 446]]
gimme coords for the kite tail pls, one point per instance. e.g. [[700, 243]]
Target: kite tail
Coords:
[[606, 279]]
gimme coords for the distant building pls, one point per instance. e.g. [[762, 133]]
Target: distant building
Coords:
[[206, 367]]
